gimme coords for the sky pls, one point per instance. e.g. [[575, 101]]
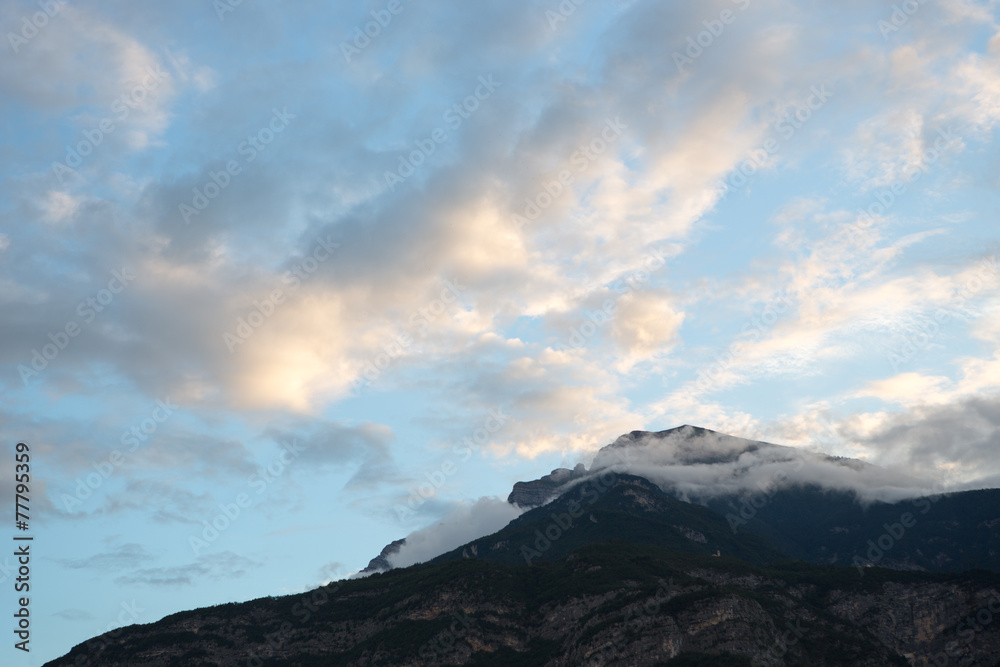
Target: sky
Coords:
[[283, 282]]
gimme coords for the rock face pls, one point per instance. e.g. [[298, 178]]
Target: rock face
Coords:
[[381, 562], [538, 492], [603, 605]]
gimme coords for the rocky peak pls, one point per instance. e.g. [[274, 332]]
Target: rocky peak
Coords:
[[540, 491], [381, 562]]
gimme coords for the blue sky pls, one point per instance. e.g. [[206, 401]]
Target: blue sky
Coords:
[[772, 219]]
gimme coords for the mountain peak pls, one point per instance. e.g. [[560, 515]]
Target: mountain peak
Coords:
[[683, 445]]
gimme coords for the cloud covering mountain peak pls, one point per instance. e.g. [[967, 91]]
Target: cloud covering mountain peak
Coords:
[[697, 464]]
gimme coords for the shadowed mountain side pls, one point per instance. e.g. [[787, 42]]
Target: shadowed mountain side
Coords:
[[941, 533], [816, 507], [615, 507], [618, 604]]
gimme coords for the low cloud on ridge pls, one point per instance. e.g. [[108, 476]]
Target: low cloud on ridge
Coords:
[[467, 522], [699, 464]]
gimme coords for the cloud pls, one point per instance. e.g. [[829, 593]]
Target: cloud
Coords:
[[122, 557], [169, 500], [646, 324], [466, 522], [332, 571], [324, 443], [213, 566], [956, 442], [700, 465], [905, 389], [74, 615]]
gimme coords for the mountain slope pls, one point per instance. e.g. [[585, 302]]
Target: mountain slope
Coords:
[[615, 507], [610, 604], [709, 468], [944, 533], [620, 568]]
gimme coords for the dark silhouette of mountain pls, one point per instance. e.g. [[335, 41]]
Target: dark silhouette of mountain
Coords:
[[616, 507], [611, 603], [669, 551], [940, 533], [802, 517]]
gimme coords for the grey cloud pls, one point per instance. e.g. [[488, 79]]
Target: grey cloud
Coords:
[[964, 436], [224, 565], [331, 572], [74, 615], [327, 443], [124, 556], [166, 502]]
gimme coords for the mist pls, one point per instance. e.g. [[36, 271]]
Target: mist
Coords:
[[698, 465], [465, 523]]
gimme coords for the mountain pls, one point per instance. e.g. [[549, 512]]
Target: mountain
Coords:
[[544, 489], [381, 562], [615, 507], [604, 604], [680, 547], [812, 506], [939, 533]]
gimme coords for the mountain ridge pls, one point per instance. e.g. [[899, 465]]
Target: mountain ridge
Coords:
[[617, 568]]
